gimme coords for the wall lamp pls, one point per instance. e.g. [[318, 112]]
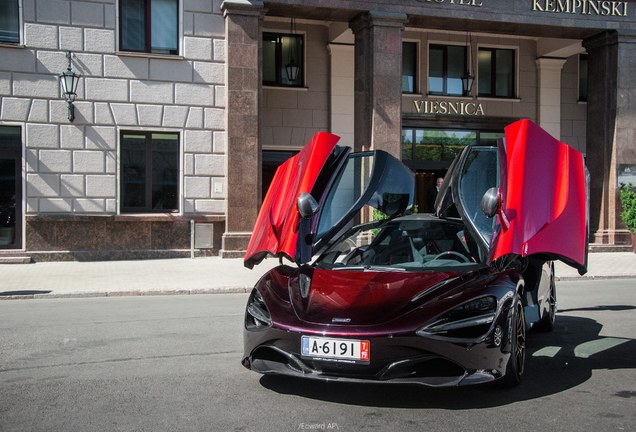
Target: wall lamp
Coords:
[[468, 78], [69, 86], [292, 68]]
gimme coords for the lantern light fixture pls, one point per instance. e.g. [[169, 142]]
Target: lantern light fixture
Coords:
[[69, 80], [292, 68], [468, 78]]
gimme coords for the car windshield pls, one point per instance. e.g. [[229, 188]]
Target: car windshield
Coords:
[[415, 243]]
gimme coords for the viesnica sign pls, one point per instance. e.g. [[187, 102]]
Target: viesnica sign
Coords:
[[447, 107], [582, 7]]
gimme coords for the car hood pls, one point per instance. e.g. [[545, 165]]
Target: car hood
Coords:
[[366, 297], [542, 196]]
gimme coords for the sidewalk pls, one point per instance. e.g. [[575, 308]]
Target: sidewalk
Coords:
[[199, 275]]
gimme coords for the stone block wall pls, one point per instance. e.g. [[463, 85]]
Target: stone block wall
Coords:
[[71, 168]]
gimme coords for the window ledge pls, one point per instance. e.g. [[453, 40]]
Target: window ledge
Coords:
[[150, 55], [11, 45], [494, 99], [271, 87]]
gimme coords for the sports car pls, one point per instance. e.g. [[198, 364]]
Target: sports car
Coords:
[[374, 292]]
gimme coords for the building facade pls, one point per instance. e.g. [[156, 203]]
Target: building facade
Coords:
[[184, 108]]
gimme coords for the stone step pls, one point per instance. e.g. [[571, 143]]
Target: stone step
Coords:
[[11, 257]]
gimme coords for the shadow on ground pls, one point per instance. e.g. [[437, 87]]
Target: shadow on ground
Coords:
[[581, 350], [23, 292]]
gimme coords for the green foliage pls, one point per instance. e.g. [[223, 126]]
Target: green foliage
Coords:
[[628, 204]]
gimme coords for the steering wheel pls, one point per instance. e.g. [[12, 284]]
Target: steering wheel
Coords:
[[452, 254]]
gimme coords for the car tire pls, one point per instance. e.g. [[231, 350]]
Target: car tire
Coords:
[[517, 361], [546, 324]]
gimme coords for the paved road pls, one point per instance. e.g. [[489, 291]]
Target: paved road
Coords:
[[171, 363]]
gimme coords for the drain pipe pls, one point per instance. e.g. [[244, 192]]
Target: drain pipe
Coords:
[[191, 238]]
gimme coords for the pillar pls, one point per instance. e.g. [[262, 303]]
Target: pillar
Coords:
[[549, 97], [377, 84], [611, 129], [243, 25]]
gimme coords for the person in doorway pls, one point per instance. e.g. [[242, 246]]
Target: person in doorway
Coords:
[[432, 196]]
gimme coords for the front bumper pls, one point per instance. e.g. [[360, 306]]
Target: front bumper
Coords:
[[404, 359]]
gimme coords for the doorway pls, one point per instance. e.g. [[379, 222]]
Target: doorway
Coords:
[[10, 188]]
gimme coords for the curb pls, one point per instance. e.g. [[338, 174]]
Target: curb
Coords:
[[133, 293], [222, 290]]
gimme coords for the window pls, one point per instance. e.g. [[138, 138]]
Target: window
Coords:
[[149, 172], [583, 77], [9, 21], [409, 67], [283, 60], [149, 26], [496, 72], [447, 65], [442, 144]]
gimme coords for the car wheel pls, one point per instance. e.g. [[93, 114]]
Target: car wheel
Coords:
[[547, 320], [517, 360]]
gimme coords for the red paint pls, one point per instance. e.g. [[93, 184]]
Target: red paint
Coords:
[[275, 231], [544, 197]]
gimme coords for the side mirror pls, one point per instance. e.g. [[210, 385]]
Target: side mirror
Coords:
[[490, 202], [307, 205]]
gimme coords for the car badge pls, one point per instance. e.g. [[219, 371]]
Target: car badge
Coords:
[[340, 320]]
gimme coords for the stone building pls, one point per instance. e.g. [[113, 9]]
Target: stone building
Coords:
[[185, 107]]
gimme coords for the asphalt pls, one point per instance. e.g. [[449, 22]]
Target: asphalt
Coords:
[[208, 275]]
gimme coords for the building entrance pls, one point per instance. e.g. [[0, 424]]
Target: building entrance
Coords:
[[10, 188], [430, 151]]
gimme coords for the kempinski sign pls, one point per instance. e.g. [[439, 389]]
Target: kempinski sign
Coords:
[[575, 7], [582, 7]]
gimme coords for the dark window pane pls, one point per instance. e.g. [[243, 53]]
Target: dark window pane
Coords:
[[164, 19], [133, 25], [485, 75], [409, 66], [456, 69], [149, 172], [269, 59], [283, 60], [133, 170], [505, 73], [583, 77], [9, 21], [496, 72], [436, 70], [149, 26], [165, 160]]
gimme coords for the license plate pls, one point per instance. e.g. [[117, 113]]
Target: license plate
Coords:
[[336, 349]]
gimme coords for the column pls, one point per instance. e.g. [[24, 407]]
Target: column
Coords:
[[243, 24], [342, 93], [549, 97], [611, 129], [378, 88]]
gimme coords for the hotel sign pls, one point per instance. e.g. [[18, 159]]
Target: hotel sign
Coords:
[[582, 7], [448, 107]]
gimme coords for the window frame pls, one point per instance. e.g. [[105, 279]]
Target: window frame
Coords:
[[148, 31], [19, 25], [279, 61], [148, 208], [445, 63], [493, 72]]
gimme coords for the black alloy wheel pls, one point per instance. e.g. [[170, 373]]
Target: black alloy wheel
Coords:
[[517, 360]]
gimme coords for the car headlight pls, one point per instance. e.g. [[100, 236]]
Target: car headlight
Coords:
[[257, 316], [467, 321]]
